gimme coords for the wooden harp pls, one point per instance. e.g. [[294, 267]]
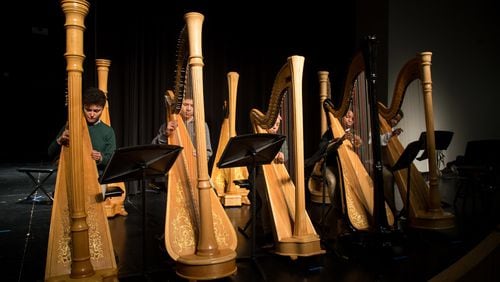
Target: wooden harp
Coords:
[[425, 201], [223, 178], [113, 205], [294, 233], [198, 233], [79, 243], [356, 185]]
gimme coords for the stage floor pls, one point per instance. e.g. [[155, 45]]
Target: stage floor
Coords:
[[413, 255]]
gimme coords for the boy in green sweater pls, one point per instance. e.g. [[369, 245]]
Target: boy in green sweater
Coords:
[[102, 135]]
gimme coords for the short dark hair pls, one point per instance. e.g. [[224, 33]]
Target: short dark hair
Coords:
[[94, 96]]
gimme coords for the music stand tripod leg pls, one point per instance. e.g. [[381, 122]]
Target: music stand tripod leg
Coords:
[[254, 225], [244, 229], [139, 163], [263, 146], [405, 213], [323, 195], [252, 221], [408, 185]]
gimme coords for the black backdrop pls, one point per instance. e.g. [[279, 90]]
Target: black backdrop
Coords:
[[140, 40]]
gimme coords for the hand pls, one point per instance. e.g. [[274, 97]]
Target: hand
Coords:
[[63, 140], [96, 156], [171, 126], [354, 138], [396, 132], [347, 136], [280, 158], [357, 142]]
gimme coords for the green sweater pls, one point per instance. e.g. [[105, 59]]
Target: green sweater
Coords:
[[103, 140]]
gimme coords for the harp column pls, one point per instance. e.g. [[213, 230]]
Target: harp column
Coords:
[[75, 11], [297, 66], [209, 262], [435, 198], [434, 217], [323, 94], [316, 187], [102, 77], [112, 205], [233, 195]]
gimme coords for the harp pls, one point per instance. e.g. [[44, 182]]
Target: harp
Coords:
[[79, 244], [425, 201], [112, 205], [198, 233], [227, 190], [316, 181], [356, 186], [294, 233]]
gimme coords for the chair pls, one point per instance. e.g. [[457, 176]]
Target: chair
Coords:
[[478, 171]]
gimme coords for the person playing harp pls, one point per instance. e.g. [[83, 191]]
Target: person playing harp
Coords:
[[424, 206], [355, 159]]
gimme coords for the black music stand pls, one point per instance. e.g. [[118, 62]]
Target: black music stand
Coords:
[[251, 150], [327, 146], [140, 163], [442, 139], [405, 161]]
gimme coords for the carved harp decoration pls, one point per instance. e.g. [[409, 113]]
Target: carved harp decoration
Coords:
[[425, 200], [294, 233], [231, 195], [198, 233], [113, 205], [79, 243]]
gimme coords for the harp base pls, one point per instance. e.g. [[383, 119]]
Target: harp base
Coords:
[[194, 267], [244, 196], [232, 200], [114, 199], [236, 199], [103, 275], [114, 207], [299, 247], [433, 220], [317, 197]]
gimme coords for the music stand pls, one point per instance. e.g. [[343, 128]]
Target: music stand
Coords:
[[405, 161], [251, 150], [327, 146], [442, 139], [140, 163]]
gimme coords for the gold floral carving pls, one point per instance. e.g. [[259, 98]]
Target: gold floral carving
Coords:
[[184, 234]]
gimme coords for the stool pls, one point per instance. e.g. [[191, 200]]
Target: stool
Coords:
[[37, 181], [112, 191]]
